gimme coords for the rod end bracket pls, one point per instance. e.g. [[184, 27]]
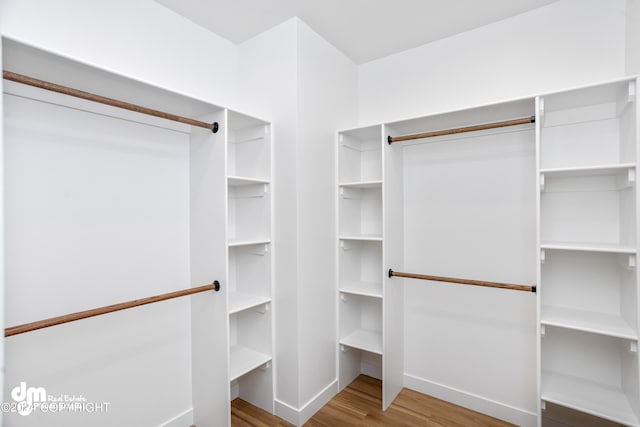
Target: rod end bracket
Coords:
[[216, 285], [534, 289], [215, 127], [533, 119], [390, 273], [389, 139]]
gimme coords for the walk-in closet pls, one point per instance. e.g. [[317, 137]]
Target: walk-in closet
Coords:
[[319, 214]]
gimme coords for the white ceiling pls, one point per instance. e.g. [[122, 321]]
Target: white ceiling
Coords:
[[363, 30]]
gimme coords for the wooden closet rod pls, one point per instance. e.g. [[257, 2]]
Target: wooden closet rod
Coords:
[[514, 122], [42, 84], [53, 321], [514, 287]]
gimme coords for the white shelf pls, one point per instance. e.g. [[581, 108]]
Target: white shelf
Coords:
[[362, 184], [364, 339], [592, 398], [587, 321], [239, 181], [368, 289], [588, 170], [588, 247], [363, 237], [243, 360], [241, 242], [239, 301]]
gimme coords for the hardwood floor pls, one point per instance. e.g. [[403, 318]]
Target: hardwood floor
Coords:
[[359, 405], [244, 414]]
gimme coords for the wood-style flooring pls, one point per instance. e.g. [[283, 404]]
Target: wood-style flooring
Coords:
[[359, 404]]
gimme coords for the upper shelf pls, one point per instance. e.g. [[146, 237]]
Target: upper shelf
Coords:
[[43, 65], [463, 118], [615, 169], [619, 92], [588, 247]]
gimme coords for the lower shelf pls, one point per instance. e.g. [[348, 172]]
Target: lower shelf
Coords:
[[364, 339], [243, 360], [586, 396]]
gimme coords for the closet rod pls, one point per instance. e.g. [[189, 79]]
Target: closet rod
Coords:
[[514, 287], [53, 321], [494, 125], [42, 84]]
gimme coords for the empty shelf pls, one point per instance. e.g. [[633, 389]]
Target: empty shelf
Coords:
[[369, 289], [362, 184], [243, 360], [588, 247], [587, 396], [239, 301], [364, 339], [239, 181], [247, 242], [363, 237], [587, 321], [588, 170]]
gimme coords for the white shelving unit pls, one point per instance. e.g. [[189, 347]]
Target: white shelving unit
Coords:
[[588, 156], [250, 269], [360, 243], [366, 330]]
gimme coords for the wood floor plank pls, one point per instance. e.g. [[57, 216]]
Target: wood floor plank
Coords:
[[244, 414], [360, 405]]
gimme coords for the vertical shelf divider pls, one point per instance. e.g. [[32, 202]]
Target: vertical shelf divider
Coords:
[[392, 255]]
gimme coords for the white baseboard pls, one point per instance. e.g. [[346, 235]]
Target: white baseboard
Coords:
[[184, 419], [286, 412], [474, 402], [300, 416]]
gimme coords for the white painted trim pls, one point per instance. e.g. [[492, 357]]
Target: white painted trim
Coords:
[[181, 420], [472, 401], [286, 412], [302, 415]]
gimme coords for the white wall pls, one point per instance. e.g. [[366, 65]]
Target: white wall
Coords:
[[267, 87], [96, 213], [135, 38], [2, 367], [470, 212], [564, 44], [326, 101], [633, 37], [295, 78]]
